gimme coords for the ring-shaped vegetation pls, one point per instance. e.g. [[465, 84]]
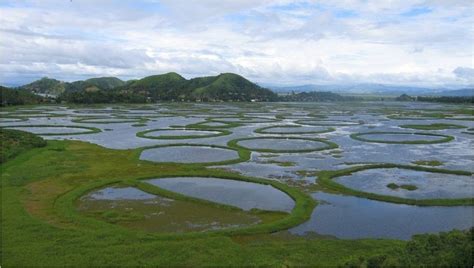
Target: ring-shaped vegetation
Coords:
[[36, 115], [442, 138], [265, 130], [220, 132], [204, 125], [434, 126], [243, 154], [108, 120], [87, 130], [12, 119], [325, 178], [326, 122], [328, 145], [301, 212], [243, 120]]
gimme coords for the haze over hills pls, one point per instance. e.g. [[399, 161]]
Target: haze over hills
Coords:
[[375, 89]]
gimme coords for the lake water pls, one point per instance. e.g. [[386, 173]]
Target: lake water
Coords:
[[245, 195]]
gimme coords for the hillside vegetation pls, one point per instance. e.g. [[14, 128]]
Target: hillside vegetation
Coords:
[[13, 142], [10, 96]]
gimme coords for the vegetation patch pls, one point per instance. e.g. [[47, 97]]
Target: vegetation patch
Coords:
[[267, 130], [328, 145], [434, 126], [220, 132], [432, 163], [13, 142], [87, 130], [450, 249], [325, 178], [442, 138], [408, 187]]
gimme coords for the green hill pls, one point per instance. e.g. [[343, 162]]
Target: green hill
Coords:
[[231, 87], [223, 87], [105, 82], [163, 87], [46, 86]]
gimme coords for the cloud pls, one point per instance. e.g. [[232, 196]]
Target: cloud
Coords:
[[421, 42]]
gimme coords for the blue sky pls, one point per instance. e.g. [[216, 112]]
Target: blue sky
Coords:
[[417, 43]]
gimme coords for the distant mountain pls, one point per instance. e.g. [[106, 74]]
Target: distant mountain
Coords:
[[457, 92], [374, 89], [10, 96], [315, 96]]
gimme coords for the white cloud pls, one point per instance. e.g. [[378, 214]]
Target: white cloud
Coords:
[[421, 42]]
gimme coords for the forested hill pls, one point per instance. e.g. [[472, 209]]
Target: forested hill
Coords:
[[164, 87], [10, 96]]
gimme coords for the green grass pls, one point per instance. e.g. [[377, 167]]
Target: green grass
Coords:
[[38, 192], [408, 187], [434, 126], [13, 142], [325, 178]]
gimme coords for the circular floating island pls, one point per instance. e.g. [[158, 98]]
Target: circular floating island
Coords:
[[336, 123], [107, 120], [6, 119], [243, 120], [181, 133], [293, 129], [55, 130], [402, 137], [282, 144], [194, 154], [411, 184], [434, 126], [403, 184]]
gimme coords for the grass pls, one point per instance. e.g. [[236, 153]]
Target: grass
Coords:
[[325, 178], [408, 187], [443, 138], [434, 126], [38, 192], [328, 145]]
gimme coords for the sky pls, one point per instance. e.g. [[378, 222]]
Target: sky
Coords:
[[426, 43]]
